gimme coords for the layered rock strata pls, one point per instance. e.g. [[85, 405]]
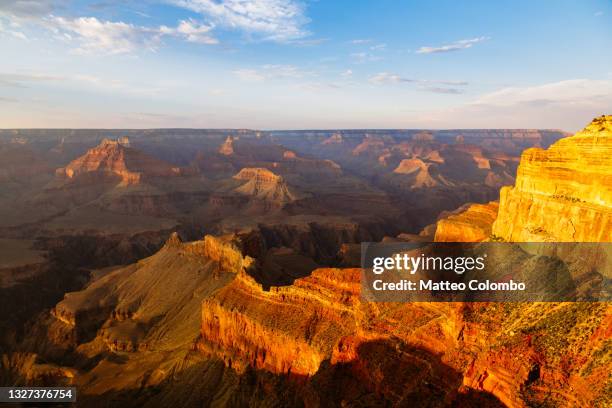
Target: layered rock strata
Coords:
[[563, 193]]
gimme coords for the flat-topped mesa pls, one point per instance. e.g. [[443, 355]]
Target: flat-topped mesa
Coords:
[[264, 185], [472, 225], [227, 148], [287, 330], [117, 158], [563, 193]]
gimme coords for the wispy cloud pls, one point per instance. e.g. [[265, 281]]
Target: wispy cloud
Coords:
[[270, 71], [192, 31], [347, 74], [276, 20], [13, 31], [427, 85], [95, 36], [455, 46], [20, 80], [442, 90], [361, 41], [83, 81], [387, 78], [91, 36], [378, 47], [599, 13]]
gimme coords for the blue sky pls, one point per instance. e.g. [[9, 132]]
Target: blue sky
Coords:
[[291, 64]]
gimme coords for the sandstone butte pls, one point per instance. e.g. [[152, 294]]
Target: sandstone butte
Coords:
[[227, 148], [117, 158], [264, 185]]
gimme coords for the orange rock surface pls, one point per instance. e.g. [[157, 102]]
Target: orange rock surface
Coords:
[[471, 225], [563, 193]]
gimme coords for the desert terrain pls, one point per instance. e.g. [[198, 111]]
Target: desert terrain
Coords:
[[193, 267]]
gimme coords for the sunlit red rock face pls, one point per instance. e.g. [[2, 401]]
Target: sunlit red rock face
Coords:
[[522, 354], [563, 193], [117, 158], [287, 330], [531, 354], [472, 225]]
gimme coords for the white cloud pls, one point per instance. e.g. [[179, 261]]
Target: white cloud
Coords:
[[599, 13], [348, 73], [192, 31], [277, 20], [455, 46], [98, 37], [104, 37], [378, 47], [361, 41], [270, 71], [427, 85], [386, 78], [442, 90]]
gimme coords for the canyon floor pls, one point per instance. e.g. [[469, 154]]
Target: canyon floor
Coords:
[[178, 267]]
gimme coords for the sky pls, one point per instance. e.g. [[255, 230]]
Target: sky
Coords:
[[304, 64]]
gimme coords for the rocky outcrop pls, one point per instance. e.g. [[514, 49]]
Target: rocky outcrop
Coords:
[[264, 185], [227, 148], [334, 139], [539, 354], [563, 193], [424, 174], [122, 309], [287, 330], [116, 158], [471, 225]]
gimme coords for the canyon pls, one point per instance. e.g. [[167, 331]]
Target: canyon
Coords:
[[242, 287]]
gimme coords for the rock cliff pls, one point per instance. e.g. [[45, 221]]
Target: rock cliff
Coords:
[[563, 193], [471, 225]]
